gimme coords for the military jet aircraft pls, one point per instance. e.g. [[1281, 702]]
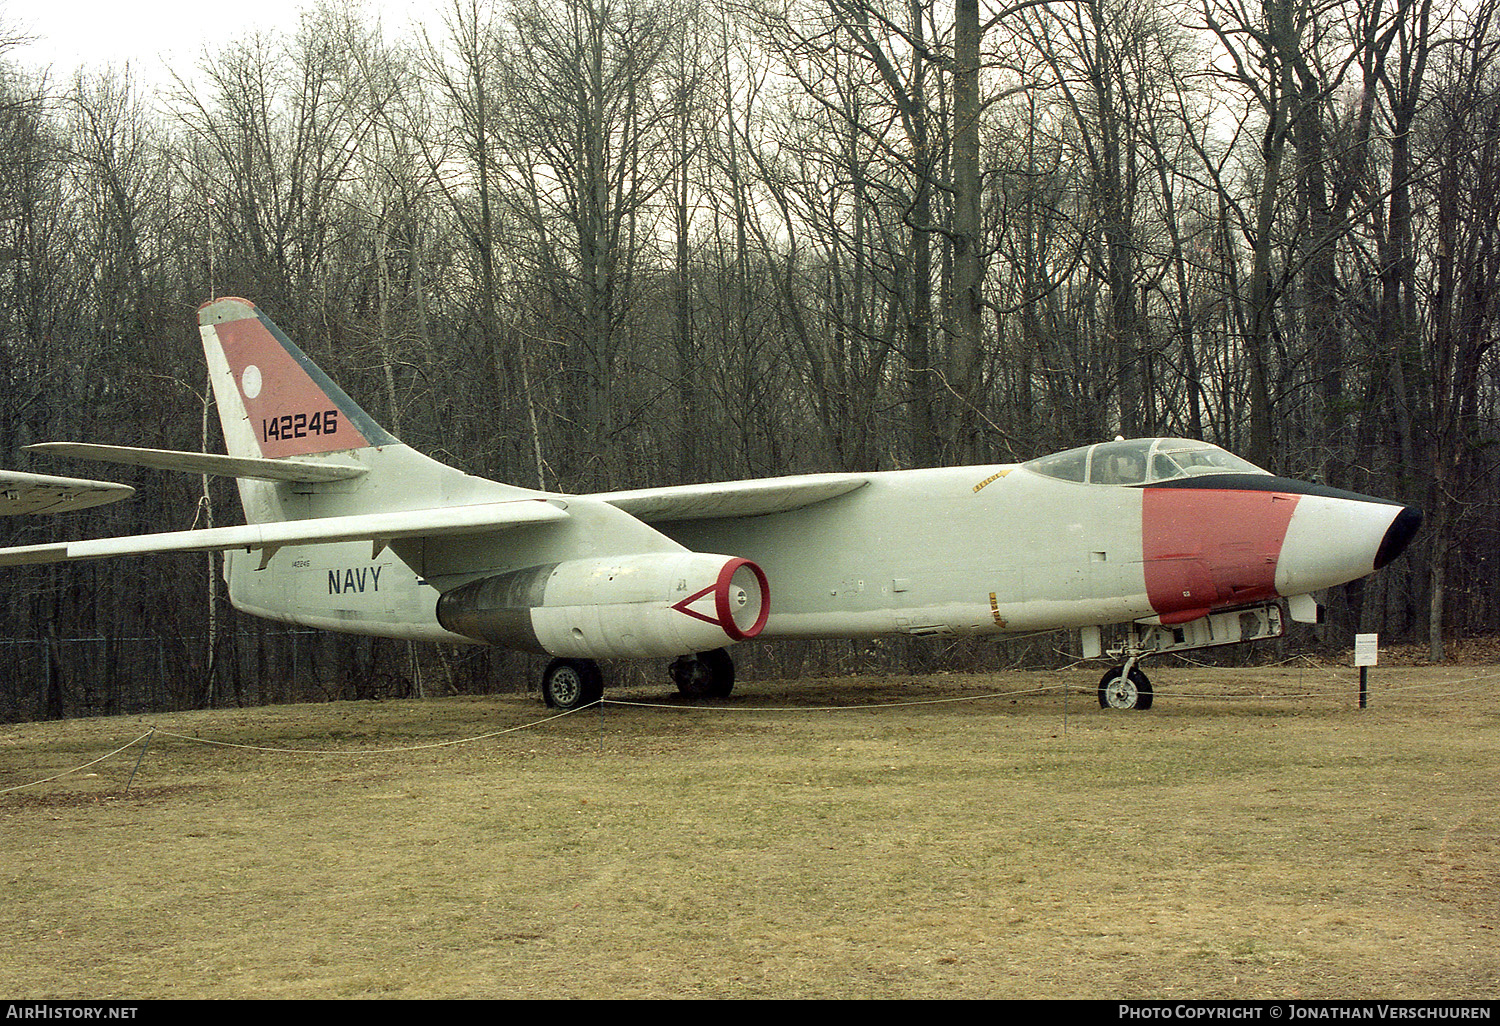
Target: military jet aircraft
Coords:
[[348, 529]]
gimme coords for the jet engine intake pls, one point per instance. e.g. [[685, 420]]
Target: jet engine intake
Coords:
[[651, 604]]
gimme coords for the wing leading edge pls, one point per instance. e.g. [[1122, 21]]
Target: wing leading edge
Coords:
[[732, 499], [379, 528], [293, 470]]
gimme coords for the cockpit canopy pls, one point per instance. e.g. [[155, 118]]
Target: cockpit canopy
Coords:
[[1139, 461]]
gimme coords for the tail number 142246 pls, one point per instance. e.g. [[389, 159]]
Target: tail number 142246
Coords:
[[300, 425]]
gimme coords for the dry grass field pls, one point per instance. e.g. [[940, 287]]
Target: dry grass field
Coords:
[[1255, 835]]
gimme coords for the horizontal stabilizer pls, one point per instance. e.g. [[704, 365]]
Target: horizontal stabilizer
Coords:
[[306, 471], [379, 528], [41, 493], [732, 499]]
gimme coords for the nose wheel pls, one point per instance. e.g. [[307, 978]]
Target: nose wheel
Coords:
[[1125, 687]]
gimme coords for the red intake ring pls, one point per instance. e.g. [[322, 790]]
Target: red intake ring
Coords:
[[726, 611]]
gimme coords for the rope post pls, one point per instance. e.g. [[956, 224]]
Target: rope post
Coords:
[[139, 759]]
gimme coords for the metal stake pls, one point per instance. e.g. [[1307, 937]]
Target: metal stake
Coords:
[[139, 759]]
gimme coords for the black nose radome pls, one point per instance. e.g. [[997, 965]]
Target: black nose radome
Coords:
[[1398, 535]]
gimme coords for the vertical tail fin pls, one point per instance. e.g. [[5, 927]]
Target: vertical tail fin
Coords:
[[273, 400]]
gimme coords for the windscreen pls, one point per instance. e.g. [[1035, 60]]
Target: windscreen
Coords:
[[1139, 461]]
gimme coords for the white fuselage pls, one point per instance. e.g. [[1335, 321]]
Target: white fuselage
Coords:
[[959, 551], [924, 552]]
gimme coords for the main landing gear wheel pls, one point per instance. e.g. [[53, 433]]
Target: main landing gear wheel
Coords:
[[705, 675], [570, 684], [1120, 691]]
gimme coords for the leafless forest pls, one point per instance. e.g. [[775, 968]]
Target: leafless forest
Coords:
[[586, 244]]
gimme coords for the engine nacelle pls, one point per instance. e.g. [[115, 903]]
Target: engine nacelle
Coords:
[[653, 604]]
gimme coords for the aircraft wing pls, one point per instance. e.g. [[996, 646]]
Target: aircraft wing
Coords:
[[378, 528], [733, 499], [306, 471], [42, 493]]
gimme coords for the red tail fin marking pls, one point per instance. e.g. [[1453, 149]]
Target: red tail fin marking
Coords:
[[289, 413]]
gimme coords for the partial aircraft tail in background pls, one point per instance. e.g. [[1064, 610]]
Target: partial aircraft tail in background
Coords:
[[45, 493]]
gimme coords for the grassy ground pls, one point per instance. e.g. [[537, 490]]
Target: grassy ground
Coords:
[[1255, 835]]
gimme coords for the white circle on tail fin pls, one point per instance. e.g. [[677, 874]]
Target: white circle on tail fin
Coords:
[[250, 382]]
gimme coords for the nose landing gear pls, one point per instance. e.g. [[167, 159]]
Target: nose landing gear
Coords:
[[1125, 687]]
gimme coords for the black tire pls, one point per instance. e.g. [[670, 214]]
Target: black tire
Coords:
[[569, 684], [705, 675], [1132, 693]]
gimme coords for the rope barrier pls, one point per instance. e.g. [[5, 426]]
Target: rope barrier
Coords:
[[76, 769], [373, 751], [830, 708], [156, 731], [1344, 683], [1481, 682]]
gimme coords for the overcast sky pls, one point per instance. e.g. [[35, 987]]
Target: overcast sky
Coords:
[[149, 34]]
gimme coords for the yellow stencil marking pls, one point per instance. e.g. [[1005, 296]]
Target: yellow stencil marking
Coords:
[[991, 479], [995, 612]]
